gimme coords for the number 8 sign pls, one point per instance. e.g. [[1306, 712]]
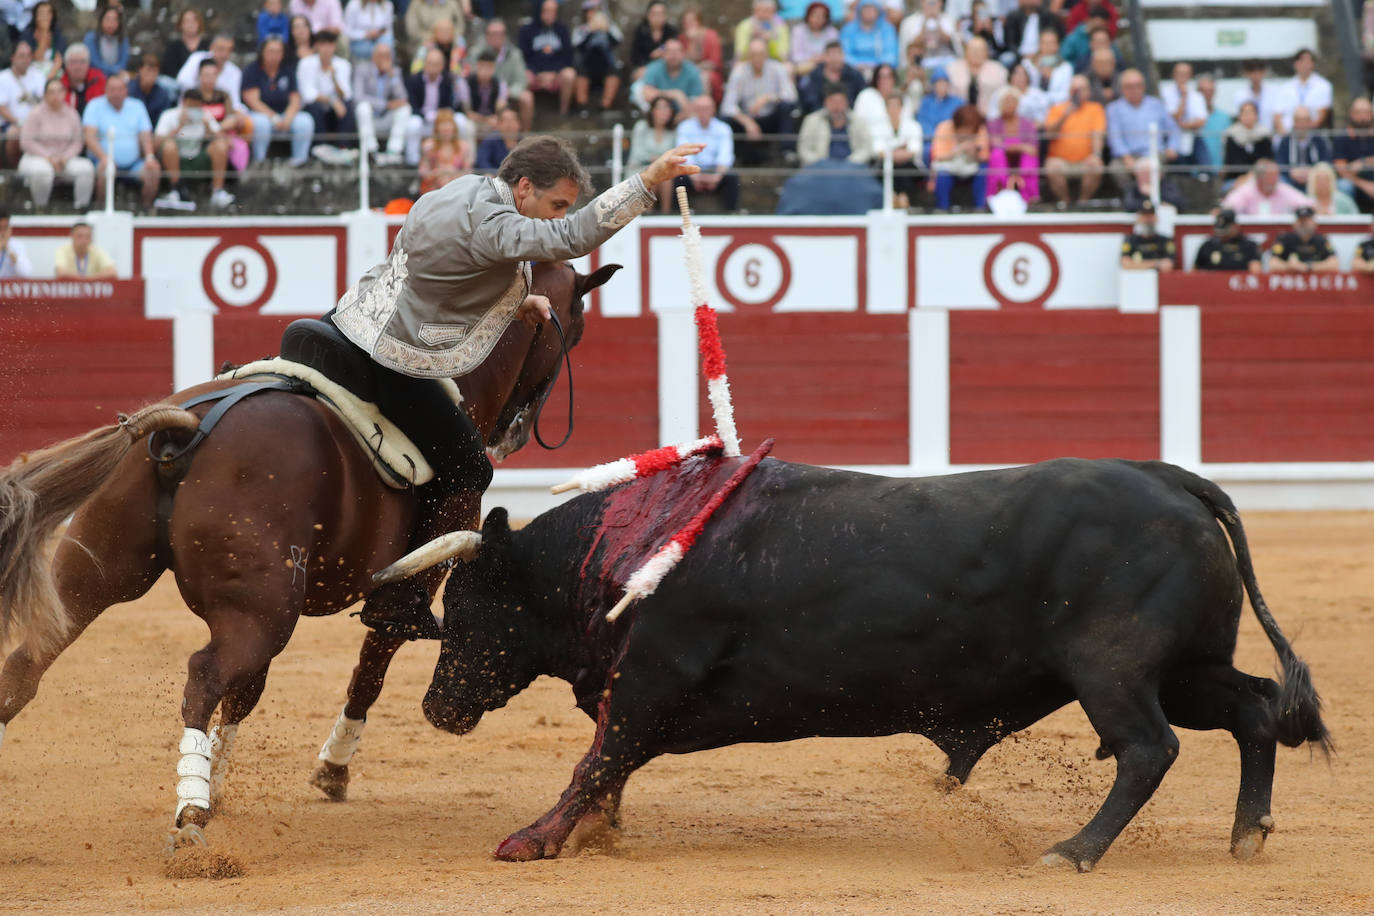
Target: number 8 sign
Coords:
[[239, 275]]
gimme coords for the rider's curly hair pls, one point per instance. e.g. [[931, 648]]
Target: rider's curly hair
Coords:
[[545, 161]]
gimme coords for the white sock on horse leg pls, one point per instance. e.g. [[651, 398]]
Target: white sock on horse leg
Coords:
[[2, 732], [193, 770], [343, 740], [221, 746]]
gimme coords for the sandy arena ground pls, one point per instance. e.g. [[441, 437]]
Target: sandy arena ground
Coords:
[[87, 779]]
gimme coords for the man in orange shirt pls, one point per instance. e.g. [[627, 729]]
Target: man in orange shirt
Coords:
[[1076, 129]]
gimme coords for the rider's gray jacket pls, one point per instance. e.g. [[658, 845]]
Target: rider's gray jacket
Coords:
[[459, 271]]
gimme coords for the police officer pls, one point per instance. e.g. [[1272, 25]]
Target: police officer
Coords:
[[1228, 248], [1303, 250], [1145, 248], [1364, 256]]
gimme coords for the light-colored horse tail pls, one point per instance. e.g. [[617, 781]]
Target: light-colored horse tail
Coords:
[[38, 492]]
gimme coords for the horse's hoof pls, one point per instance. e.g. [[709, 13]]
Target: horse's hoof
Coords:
[[332, 780], [524, 846], [181, 837], [947, 783]]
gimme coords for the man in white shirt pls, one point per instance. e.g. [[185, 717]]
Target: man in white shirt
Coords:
[[1308, 89], [325, 81], [1189, 109], [14, 260], [21, 88], [230, 79], [1264, 95], [189, 138], [716, 159]]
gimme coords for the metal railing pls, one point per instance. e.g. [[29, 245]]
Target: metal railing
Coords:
[[330, 188]]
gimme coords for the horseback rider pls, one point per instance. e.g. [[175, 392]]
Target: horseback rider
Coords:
[[458, 274]]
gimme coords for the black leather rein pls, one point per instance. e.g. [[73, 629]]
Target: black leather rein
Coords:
[[548, 389]]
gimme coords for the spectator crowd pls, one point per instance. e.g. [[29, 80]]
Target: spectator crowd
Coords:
[[979, 102]]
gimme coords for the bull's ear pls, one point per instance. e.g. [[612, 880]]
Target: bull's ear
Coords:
[[598, 277], [496, 529]]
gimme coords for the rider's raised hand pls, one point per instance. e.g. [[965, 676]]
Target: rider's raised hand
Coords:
[[672, 164]]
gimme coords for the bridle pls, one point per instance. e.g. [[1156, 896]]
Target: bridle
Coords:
[[538, 407]]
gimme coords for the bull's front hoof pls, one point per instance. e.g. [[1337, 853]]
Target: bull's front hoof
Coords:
[[1061, 854], [1248, 842], [525, 846], [332, 780]]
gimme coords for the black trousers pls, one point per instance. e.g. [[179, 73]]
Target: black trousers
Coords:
[[328, 123], [438, 427]]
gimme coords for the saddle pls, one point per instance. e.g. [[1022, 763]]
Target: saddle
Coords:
[[321, 361]]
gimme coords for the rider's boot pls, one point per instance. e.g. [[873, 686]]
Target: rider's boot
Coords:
[[401, 609]]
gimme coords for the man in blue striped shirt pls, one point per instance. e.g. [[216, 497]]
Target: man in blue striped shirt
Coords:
[[716, 159]]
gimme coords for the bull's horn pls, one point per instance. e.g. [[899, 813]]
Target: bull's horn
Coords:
[[460, 544]]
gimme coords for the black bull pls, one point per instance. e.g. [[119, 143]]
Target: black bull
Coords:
[[822, 602]]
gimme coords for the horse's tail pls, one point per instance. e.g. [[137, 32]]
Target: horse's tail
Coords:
[[38, 492]]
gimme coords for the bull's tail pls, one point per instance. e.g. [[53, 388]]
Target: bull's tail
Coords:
[[1298, 714], [37, 493]]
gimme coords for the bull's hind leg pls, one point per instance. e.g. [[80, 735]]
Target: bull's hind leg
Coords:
[[1127, 715], [1219, 696], [331, 775]]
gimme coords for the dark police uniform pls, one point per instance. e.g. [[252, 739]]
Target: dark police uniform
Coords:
[[1309, 251], [1226, 254], [1152, 247], [1366, 249]]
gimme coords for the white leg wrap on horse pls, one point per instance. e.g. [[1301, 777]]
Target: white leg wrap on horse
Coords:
[[193, 770], [343, 740], [221, 746], [2, 733]]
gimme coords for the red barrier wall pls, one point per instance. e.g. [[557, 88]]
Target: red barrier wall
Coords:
[[1284, 384], [72, 361], [1034, 385], [832, 388]]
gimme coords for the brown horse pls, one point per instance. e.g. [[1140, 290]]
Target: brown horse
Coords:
[[263, 528]]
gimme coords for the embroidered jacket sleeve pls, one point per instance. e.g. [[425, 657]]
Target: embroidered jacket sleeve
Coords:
[[502, 235]]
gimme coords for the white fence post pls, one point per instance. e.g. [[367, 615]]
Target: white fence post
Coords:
[[1180, 385], [367, 141], [1154, 163], [887, 178], [617, 153], [109, 171], [928, 349]]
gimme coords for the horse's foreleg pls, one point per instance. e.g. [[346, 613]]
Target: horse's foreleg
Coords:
[[331, 776]]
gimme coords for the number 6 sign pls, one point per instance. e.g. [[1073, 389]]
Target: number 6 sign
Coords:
[[1021, 273]]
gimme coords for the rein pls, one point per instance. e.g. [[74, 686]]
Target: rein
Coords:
[[548, 389]]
